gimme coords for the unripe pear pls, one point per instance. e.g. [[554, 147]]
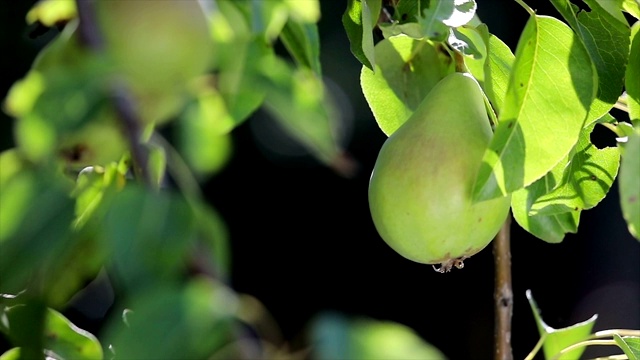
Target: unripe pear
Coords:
[[420, 190]]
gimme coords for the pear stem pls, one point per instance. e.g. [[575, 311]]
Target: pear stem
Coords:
[[121, 97], [503, 293]]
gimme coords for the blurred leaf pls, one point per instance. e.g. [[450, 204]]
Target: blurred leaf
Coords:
[[23, 94], [583, 179], [558, 339], [358, 20], [26, 325], [564, 80], [606, 39], [442, 15], [629, 184], [215, 241], [632, 76], [298, 101], [52, 12], [67, 341], [157, 164], [629, 344], [335, 336], [307, 11], [11, 354], [550, 228], [303, 43], [175, 322], [405, 72], [204, 133], [149, 234]]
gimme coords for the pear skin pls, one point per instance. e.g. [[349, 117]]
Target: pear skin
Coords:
[[420, 190]]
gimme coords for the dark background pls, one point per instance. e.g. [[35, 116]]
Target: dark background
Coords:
[[303, 241]]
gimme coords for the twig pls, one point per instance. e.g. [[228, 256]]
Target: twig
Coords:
[[503, 294], [121, 96]]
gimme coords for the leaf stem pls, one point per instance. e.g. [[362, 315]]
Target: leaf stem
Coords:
[[583, 344], [526, 7], [611, 332], [536, 348], [503, 295]]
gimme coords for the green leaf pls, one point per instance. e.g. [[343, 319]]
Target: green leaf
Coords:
[[297, 99], [606, 38], [583, 179], [468, 41], [405, 72], [632, 84], [304, 11], [149, 234], [550, 228], [302, 42], [632, 7], [68, 341], [189, 321], [551, 87], [203, 133], [11, 354], [437, 19], [52, 12], [214, 242], [558, 339], [335, 336], [629, 184], [629, 344], [497, 69], [358, 20]]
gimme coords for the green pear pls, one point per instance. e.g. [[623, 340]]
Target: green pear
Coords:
[[420, 190]]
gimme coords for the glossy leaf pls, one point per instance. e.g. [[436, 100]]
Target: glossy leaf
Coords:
[[632, 76], [442, 15], [583, 179], [629, 184], [68, 341], [191, 321], [550, 228], [335, 336], [405, 72], [606, 38], [551, 68], [558, 339], [629, 344]]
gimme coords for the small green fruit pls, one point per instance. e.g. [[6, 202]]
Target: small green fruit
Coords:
[[420, 191]]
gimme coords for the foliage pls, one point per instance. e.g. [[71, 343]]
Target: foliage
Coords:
[[93, 186]]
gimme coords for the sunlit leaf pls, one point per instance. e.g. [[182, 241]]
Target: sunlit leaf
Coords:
[[606, 39], [629, 344], [335, 336], [558, 339], [497, 70], [629, 183], [442, 15], [52, 12], [632, 76], [304, 11], [11, 354], [583, 179], [468, 41], [68, 341], [405, 72], [551, 68], [358, 20], [632, 7]]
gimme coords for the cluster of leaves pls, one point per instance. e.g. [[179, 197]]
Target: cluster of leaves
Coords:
[[545, 100], [93, 194]]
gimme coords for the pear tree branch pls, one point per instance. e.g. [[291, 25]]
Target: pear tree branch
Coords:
[[121, 97], [503, 293]]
